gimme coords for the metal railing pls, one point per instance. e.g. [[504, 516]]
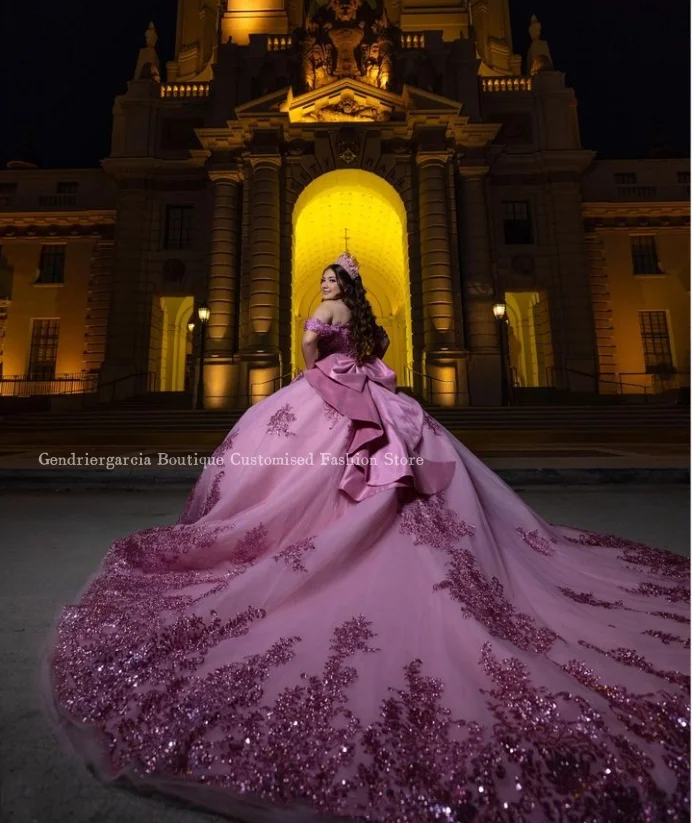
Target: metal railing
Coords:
[[432, 387], [254, 397], [144, 382], [598, 381], [28, 386], [660, 383]]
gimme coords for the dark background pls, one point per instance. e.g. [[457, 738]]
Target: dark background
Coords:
[[63, 61]]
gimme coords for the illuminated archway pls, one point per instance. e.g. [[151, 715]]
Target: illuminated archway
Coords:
[[374, 214], [175, 341]]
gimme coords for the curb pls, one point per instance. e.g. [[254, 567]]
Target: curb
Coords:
[[128, 479]]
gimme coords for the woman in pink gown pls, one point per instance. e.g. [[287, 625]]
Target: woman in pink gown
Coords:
[[355, 619]]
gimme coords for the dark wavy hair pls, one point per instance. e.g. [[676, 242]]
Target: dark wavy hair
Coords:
[[364, 328]]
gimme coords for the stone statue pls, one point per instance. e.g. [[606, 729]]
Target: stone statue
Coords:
[[148, 67], [538, 58], [347, 38], [344, 10], [317, 61]]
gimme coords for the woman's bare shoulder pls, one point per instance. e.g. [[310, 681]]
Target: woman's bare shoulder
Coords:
[[323, 313]]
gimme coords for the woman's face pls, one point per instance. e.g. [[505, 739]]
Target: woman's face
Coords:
[[330, 285]]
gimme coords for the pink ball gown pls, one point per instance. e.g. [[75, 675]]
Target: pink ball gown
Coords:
[[397, 639]]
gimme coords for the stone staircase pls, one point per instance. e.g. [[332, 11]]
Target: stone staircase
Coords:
[[172, 412]]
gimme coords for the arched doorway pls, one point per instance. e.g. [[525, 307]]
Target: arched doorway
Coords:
[[375, 216], [172, 342]]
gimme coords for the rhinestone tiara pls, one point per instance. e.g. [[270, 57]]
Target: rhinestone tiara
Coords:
[[349, 262]]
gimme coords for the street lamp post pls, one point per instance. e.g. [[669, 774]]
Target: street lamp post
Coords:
[[500, 312], [190, 359], [203, 314]]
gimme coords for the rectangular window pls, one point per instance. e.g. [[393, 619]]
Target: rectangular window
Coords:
[[67, 187], [178, 230], [52, 265], [44, 349], [644, 254], [653, 327], [7, 193], [517, 222], [625, 178]]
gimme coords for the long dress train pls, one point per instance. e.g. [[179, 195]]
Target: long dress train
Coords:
[[355, 619]]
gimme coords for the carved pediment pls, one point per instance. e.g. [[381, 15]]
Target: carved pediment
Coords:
[[346, 100], [351, 100]]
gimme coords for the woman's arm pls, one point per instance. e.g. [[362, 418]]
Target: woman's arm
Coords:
[[309, 343], [382, 343]]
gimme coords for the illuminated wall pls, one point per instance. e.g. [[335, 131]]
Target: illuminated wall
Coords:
[[633, 293], [375, 217], [30, 300]]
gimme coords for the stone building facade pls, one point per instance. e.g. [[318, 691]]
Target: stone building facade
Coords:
[[412, 133]]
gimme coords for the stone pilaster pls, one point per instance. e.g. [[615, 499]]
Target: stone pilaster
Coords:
[[129, 317], [572, 314], [261, 357], [221, 369], [4, 308], [100, 287], [482, 338], [445, 363]]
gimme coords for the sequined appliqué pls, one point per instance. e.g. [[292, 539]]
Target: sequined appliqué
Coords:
[[673, 594], [667, 638], [251, 545], [293, 555], [214, 493], [542, 545], [331, 414], [630, 658], [226, 446], [430, 521], [589, 600], [161, 547], [485, 600], [432, 425], [280, 421]]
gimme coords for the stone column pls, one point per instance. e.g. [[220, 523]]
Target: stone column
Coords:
[[482, 332], [445, 365], [262, 355], [221, 368]]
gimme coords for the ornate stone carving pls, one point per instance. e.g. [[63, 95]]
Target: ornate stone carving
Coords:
[[347, 146], [480, 289], [347, 108], [347, 38]]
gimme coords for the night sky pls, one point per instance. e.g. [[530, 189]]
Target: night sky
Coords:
[[63, 63]]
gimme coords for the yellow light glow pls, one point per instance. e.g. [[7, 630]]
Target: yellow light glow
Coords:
[[374, 214]]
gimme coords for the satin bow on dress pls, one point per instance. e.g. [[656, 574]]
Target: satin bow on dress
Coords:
[[387, 427]]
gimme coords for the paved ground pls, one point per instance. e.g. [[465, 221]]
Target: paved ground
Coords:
[[52, 541]]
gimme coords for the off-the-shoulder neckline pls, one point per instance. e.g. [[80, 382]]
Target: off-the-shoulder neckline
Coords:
[[317, 320]]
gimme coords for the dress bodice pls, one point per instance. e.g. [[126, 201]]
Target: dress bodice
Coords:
[[334, 337]]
